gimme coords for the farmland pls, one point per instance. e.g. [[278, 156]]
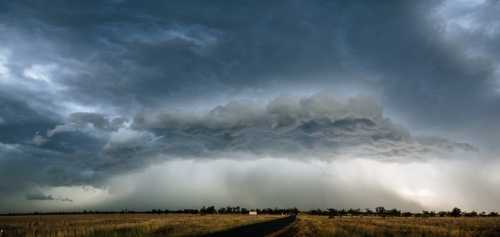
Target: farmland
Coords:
[[124, 225], [153, 225], [376, 226]]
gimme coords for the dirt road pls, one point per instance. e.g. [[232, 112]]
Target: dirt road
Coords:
[[256, 230]]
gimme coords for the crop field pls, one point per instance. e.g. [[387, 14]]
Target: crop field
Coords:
[[412, 227], [115, 225]]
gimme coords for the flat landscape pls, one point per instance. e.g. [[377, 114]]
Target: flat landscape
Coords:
[[196, 225], [254, 118], [124, 225], [399, 226]]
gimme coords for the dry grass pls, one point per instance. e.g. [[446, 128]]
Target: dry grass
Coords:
[[193, 225], [411, 227], [124, 225]]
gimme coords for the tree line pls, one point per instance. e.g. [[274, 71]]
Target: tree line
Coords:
[[388, 213], [231, 210], [204, 210], [331, 212]]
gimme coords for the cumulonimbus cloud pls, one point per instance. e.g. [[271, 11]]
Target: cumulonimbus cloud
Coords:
[[324, 126]]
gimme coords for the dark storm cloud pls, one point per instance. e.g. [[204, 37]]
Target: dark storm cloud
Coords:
[[61, 161], [422, 69], [71, 73], [40, 196], [323, 126], [133, 52], [18, 167], [140, 54], [20, 120]]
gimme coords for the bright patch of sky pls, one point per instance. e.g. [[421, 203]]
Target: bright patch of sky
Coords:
[[40, 72], [4, 71]]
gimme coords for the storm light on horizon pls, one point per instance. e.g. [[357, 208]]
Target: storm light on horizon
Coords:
[[112, 105]]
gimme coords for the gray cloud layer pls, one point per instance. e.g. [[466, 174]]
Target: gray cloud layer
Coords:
[[79, 120], [323, 126]]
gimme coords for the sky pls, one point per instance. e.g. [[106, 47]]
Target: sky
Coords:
[[112, 105]]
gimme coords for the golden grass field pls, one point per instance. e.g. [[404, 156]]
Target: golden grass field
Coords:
[[412, 227], [194, 225], [115, 225]]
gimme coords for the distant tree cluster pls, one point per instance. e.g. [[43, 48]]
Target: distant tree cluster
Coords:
[[269, 211], [380, 211], [204, 211], [384, 213]]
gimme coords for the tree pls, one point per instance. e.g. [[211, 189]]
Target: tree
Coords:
[[244, 211], [342, 212], [332, 212], [319, 212], [267, 211], [222, 210], [369, 211], [406, 214], [295, 211], [380, 211], [354, 212], [394, 212], [211, 210], [442, 213], [455, 212], [158, 211]]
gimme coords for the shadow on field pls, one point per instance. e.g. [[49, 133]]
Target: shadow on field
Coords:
[[256, 230]]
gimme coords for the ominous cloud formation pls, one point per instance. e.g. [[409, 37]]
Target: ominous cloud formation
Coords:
[[41, 196], [322, 126], [325, 126], [102, 93]]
